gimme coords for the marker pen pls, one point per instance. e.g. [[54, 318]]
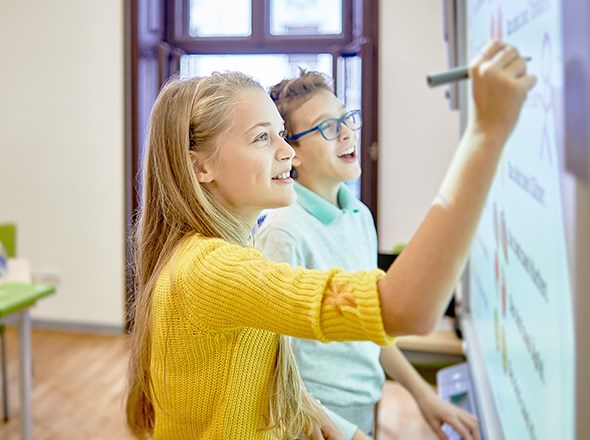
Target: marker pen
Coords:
[[447, 76]]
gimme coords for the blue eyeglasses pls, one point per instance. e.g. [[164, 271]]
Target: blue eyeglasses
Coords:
[[330, 128]]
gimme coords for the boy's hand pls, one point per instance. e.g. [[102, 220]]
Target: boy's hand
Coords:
[[437, 412]]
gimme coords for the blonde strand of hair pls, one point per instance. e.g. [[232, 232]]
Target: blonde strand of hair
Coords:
[[292, 410]]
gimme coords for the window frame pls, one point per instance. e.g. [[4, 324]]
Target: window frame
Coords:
[[260, 41]]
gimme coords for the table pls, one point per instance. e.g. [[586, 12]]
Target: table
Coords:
[[442, 340], [439, 349], [17, 295]]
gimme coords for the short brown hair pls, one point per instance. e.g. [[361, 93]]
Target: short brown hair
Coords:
[[290, 94]]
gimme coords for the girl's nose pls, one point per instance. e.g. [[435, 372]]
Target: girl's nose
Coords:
[[285, 151]]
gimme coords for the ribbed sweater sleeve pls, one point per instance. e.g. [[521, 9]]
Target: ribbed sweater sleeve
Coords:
[[227, 286]]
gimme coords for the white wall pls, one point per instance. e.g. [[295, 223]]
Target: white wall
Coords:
[[62, 151], [418, 132]]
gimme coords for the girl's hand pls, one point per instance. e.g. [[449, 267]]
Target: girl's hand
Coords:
[[500, 86], [437, 411], [360, 435], [326, 430]]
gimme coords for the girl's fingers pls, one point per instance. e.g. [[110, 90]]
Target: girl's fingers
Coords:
[[528, 81], [488, 52], [316, 433], [506, 56], [517, 67]]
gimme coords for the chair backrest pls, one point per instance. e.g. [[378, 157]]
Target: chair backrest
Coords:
[[8, 238]]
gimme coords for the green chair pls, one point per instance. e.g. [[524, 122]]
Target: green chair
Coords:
[[8, 240]]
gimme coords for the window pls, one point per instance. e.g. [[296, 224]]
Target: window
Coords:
[[267, 39]]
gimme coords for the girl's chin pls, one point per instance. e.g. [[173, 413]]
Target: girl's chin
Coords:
[[286, 201]]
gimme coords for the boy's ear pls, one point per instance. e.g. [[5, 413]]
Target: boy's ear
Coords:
[[203, 171]]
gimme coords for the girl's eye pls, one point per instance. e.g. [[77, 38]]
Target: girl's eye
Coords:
[[263, 137], [283, 134]]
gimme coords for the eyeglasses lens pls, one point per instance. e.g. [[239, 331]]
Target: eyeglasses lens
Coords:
[[330, 129], [353, 120]]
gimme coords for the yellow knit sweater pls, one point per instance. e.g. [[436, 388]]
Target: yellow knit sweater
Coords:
[[217, 311]]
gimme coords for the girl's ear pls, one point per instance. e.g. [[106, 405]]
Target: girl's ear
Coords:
[[202, 170], [203, 176]]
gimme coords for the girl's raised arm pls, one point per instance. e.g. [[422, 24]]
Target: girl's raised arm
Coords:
[[418, 286]]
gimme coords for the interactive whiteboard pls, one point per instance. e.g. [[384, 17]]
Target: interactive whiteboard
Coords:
[[523, 284]]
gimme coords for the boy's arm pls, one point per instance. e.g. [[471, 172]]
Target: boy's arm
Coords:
[[435, 410]]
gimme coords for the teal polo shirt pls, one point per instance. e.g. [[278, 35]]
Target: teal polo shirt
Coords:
[[346, 377], [323, 210]]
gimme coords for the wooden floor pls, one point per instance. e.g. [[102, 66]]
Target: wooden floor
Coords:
[[78, 382]]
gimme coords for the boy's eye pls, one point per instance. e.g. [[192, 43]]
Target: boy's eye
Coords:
[[283, 134]]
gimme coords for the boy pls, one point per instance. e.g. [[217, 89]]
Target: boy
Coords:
[[328, 227]]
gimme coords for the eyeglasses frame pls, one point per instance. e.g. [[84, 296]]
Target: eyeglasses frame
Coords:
[[340, 121]]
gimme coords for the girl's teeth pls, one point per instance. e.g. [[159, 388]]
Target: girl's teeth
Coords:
[[282, 176]]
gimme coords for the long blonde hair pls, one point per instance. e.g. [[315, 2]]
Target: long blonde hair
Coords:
[[187, 121]]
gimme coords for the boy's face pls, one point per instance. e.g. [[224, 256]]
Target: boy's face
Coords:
[[322, 165]]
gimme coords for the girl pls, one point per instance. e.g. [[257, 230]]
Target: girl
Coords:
[[328, 227], [207, 360]]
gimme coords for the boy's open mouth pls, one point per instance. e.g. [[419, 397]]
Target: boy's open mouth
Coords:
[[348, 153]]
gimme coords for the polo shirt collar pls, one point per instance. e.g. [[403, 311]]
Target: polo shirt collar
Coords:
[[323, 210]]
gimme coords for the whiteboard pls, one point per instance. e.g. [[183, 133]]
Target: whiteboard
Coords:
[[526, 283]]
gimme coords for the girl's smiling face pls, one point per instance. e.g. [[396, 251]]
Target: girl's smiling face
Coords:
[[251, 171]]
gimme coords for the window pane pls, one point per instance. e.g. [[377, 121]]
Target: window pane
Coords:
[[267, 69], [348, 91], [350, 81], [209, 18], [305, 17]]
